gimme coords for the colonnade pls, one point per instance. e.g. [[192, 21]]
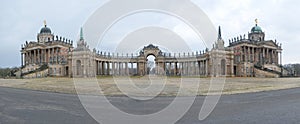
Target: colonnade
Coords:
[[263, 55], [171, 68], [40, 56]]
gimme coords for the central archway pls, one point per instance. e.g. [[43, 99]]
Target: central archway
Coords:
[[151, 65]]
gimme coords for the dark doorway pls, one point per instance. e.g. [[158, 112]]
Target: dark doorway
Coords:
[[234, 70], [67, 71]]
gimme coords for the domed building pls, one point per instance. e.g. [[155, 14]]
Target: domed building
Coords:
[[47, 56], [256, 57]]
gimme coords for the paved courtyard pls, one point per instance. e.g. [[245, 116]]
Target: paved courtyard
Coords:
[[172, 84]]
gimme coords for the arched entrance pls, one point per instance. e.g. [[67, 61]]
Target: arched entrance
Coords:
[[151, 65], [78, 67], [223, 67]]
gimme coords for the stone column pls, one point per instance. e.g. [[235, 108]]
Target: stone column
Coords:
[[271, 56], [29, 57], [156, 68], [25, 58], [243, 54], [175, 69], [38, 56], [268, 59], [248, 54], [202, 67], [34, 56], [126, 69], [277, 57], [189, 66], [108, 69], [137, 68], [119, 68], [264, 56], [231, 66], [100, 68], [161, 68], [131, 71], [103, 68], [186, 68], [280, 58], [97, 67], [199, 68], [48, 55], [195, 68], [253, 54], [57, 55], [42, 56], [122, 68], [274, 57], [182, 68], [52, 55], [113, 69], [206, 67], [22, 61], [169, 67]]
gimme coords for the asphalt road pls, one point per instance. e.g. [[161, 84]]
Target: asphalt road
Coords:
[[34, 107]]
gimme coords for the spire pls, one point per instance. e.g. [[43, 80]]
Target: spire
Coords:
[[219, 33], [45, 23], [81, 34], [256, 22]]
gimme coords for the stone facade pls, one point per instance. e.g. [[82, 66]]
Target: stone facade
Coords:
[[247, 57], [52, 51]]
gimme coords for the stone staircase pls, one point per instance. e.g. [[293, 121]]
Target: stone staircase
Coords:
[[42, 71], [262, 71]]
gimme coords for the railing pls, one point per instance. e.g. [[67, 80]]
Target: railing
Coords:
[[41, 68]]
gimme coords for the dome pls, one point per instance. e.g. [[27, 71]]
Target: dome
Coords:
[[45, 30], [256, 29]]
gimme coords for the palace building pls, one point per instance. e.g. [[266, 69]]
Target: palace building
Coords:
[[47, 56], [246, 56]]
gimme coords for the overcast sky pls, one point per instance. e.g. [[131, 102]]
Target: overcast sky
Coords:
[[21, 20]]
